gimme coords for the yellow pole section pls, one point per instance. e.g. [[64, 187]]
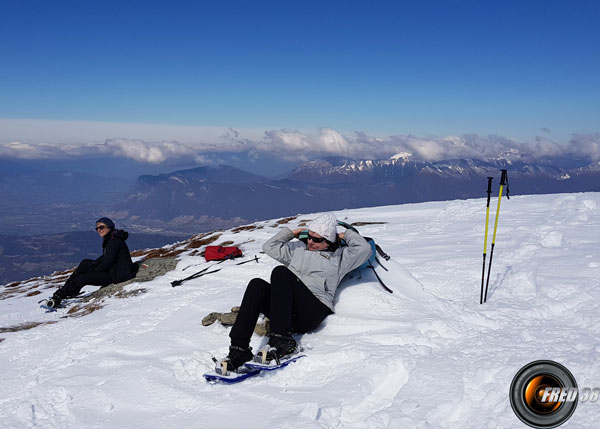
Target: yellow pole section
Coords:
[[497, 212]]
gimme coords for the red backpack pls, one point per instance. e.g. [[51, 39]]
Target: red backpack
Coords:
[[218, 253]]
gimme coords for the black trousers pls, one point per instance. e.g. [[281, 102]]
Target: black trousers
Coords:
[[83, 275], [286, 301]]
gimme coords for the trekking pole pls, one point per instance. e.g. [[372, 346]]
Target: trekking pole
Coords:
[[487, 221], [503, 181], [249, 260], [198, 274], [204, 271]]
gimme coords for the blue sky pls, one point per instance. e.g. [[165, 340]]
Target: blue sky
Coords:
[[518, 69]]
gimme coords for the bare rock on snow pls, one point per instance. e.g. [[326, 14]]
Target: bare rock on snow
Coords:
[[228, 319], [211, 318], [262, 328]]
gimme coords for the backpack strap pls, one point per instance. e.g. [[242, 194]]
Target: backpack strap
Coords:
[[381, 252], [379, 278], [369, 264]]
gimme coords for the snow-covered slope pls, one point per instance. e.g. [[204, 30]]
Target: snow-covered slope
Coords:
[[382, 360]]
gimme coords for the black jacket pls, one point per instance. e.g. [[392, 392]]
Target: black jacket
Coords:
[[116, 258]]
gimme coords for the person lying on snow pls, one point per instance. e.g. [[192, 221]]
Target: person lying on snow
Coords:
[[301, 291], [114, 266]]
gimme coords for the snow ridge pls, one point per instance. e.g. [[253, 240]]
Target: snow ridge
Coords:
[[382, 360]]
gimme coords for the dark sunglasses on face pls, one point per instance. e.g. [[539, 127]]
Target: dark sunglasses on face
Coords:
[[100, 228], [315, 239]]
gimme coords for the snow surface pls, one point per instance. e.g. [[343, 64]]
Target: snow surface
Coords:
[[382, 360]]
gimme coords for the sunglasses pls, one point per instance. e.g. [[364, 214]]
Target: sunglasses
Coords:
[[316, 240], [101, 227]]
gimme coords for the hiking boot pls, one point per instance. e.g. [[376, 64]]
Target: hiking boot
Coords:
[[54, 301], [237, 357], [280, 346]]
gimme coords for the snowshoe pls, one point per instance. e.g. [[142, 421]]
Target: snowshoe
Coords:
[[232, 368], [224, 374]]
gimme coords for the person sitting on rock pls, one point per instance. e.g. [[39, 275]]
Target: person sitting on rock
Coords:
[[301, 291], [113, 266]]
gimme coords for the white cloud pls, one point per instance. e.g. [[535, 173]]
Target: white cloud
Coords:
[[585, 145], [39, 150], [139, 150], [326, 141], [156, 144], [330, 142]]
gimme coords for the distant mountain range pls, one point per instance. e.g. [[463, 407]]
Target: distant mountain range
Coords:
[[47, 203], [225, 195]]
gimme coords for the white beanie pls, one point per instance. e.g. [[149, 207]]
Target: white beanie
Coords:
[[326, 226]]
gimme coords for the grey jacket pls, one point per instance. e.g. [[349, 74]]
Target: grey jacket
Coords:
[[320, 271]]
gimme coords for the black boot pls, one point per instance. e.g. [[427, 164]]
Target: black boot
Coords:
[[54, 301], [237, 357], [281, 345]]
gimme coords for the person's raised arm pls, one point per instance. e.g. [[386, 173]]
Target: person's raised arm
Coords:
[[277, 247], [356, 253]]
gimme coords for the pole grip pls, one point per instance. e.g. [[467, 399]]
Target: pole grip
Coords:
[[504, 181], [504, 177], [489, 191]]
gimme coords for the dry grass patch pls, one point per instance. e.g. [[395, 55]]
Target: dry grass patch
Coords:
[[196, 243], [284, 221], [25, 326], [65, 273], [62, 278], [80, 310], [12, 292], [246, 228]]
